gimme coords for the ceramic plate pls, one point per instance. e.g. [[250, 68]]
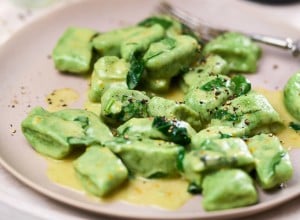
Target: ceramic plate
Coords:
[[28, 75]]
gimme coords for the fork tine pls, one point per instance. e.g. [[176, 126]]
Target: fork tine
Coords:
[[205, 31]]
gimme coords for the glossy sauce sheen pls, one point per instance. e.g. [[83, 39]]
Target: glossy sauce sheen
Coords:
[[164, 193], [61, 98]]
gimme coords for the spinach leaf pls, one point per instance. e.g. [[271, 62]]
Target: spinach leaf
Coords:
[[83, 120], [172, 129], [225, 115], [133, 109], [295, 126], [154, 55], [223, 135], [134, 75], [194, 189], [215, 84], [240, 85], [156, 20], [157, 175], [275, 161], [168, 43]]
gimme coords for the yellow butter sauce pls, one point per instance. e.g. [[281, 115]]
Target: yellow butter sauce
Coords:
[[289, 137], [61, 98], [165, 193]]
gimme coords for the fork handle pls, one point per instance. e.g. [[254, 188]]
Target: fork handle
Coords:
[[285, 43]]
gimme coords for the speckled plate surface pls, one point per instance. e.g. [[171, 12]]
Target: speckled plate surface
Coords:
[[28, 75]]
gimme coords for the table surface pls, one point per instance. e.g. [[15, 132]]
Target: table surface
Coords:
[[17, 201]]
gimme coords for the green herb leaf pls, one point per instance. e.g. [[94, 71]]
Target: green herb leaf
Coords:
[[169, 44], [156, 20], [83, 120], [194, 189], [240, 85], [275, 161], [135, 72], [225, 115], [215, 84], [295, 126], [157, 175], [132, 108], [172, 129], [223, 135]]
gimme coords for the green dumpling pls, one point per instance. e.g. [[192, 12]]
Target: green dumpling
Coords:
[[292, 96], [212, 65], [109, 71], [119, 105], [238, 50], [168, 57], [214, 155], [56, 134], [73, 51], [50, 135], [228, 188], [272, 162], [95, 130], [146, 157], [215, 132], [140, 42], [211, 93], [251, 112], [109, 43], [171, 109], [100, 171]]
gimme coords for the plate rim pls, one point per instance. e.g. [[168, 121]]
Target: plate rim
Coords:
[[56, 197]]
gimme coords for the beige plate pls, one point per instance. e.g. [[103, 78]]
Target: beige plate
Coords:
[[28, 75]]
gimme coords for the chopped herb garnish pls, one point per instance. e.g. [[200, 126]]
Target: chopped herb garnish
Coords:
[[157, 175], [132, 108], [169, 44], [136, 71], [275, 161], [295, 126], [215, 84], [148, 22], [240, 85], [83, 120], [154, 55], [223, 135], [173, 129], [225, 115]]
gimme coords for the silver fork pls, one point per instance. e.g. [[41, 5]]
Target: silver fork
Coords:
[[207, 32]]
